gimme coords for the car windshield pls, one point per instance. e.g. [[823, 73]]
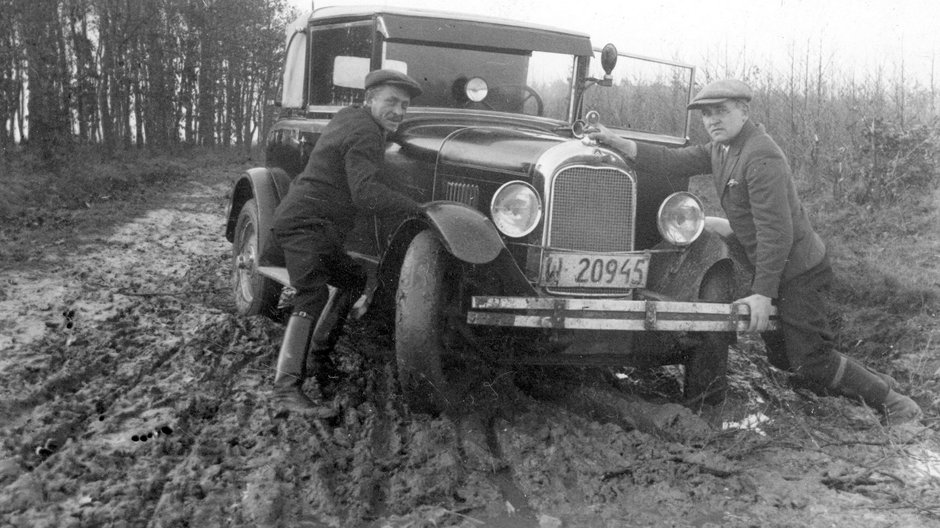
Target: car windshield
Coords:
[[647, 95], [532, 83]]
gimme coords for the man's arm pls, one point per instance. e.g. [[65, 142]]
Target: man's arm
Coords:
[[768, 192], [364, 154], [768, 187], [674, 162]]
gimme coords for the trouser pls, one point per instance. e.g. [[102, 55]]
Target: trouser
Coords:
[[314, 256], [805, 342]]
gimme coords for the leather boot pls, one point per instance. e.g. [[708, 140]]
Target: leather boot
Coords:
[[330, 324], [292, 367], [855, 381], [327, 332], [900, 409]]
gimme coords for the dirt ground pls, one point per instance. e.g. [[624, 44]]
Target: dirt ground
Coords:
[[131, 395]]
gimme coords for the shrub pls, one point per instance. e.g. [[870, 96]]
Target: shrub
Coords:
[[892, 163]]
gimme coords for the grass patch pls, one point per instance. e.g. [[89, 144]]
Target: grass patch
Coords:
[[31, 190], [46, 209], [887, 290]]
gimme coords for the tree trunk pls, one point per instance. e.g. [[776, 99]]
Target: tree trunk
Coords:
[[105, 86], [207, 93], [48, 120]]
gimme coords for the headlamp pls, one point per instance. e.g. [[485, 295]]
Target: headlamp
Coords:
[[681, 218], [516, 209]]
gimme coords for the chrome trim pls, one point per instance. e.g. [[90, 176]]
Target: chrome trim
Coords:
[[610, 314], [538, 198], [572, 155], [551, 213]]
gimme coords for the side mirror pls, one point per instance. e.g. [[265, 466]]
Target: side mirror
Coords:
[[608, 59]]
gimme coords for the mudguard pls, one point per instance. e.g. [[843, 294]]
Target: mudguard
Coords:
[[466, 233], [267, 186], [678, 275]]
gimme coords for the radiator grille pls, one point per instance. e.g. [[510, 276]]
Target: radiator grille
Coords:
[[592, 210], [467, 193]]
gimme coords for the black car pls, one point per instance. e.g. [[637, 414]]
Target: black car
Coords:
[[533, 232]]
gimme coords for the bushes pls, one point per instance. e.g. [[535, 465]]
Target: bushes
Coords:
[[890, 163]]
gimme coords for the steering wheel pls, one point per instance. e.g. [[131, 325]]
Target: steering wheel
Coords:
[[529, 93], [532, 94]]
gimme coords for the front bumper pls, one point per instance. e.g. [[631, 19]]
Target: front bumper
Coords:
[[610, 314]]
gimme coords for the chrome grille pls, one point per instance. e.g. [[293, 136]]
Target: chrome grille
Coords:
[[467, 193], [592, 210]]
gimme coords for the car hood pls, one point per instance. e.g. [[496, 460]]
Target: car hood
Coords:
[[500, 146]]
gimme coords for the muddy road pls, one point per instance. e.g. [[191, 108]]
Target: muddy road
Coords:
[[131, 395]]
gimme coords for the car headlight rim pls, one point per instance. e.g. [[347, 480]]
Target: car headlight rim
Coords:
[[476, 89], [681, 218], [516, 209]]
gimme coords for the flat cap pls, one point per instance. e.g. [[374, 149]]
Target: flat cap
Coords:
[[394, 78], [719, 91]]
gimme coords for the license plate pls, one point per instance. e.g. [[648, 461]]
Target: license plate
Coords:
[[574, 270]]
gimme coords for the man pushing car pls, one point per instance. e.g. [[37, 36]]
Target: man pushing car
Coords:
[[790, 261], [343, 178]]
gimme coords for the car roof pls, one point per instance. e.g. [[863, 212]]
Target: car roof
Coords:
[[477, 30]]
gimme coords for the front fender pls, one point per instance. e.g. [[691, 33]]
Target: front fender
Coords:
[[678, 274], [466, 233], [267, 186]]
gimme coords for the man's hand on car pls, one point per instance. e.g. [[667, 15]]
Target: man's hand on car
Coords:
[[604, 136], [760, 306]]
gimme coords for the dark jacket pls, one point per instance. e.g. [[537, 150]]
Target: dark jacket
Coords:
[[345, 174], [758, 195]]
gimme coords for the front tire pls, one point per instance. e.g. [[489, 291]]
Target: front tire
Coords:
[[425, 299], [706, 369], [255, 294]]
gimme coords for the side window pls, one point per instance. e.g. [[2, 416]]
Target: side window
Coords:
[[331, 47]]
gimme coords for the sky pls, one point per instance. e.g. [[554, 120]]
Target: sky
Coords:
[[855, 37]]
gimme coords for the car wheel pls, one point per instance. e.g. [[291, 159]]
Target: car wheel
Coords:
[[426, 298], [255, 294], [707, 365]]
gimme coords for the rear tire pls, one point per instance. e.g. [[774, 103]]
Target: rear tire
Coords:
[[706, 369], [254, 294], [425, 299]]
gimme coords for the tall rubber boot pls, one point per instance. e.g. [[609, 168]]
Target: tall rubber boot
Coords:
[[330, 324], [855, 381], [292, 369], [327, 332]]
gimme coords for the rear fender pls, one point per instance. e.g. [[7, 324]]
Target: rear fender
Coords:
[[678, 275], [267, 186]]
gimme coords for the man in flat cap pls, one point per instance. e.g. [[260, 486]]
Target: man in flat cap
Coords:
[[343, 178], [791, 266]]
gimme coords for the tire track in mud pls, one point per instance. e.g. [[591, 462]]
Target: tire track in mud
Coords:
[[101, 372]]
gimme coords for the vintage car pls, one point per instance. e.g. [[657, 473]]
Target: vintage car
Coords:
[[536, 245]]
